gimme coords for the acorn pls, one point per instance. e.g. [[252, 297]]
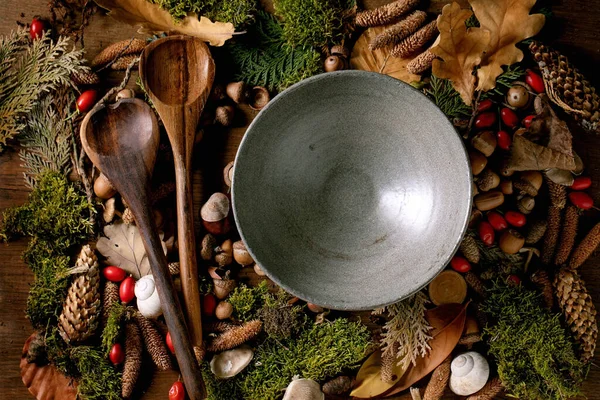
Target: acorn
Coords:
[[103, 188], [485, 142], [487, 180], [222, 287], [224, 255], [224, 114], [218, 93], [506, 186], [518, 96], [259, 270], [334, 63], [478, 162], [259, 98], [241, 254], [339, 50], [237, 91], [214, 214], [207, 247], [511, 241], [526, 205], [224, 310], [125, 94], [315, 308], [228, 174], [529, 182], [489, 200]]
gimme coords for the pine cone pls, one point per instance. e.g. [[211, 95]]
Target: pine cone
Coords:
[[399, 31], [525, 187], [536, 231], [123, 62], [109, 297], [567, 87], [339, 385], [235, 336], [490, 391], [388, 360], [133, 358], [79, 317], [415, 41], [85, 78], [567, 235], [386, 14], [119, 49], [439, 380], [174, 268], [542, 282], [219, 326], [475, 283], [587, 246], [470, 339], [469, 249], [127, 216], [551, 236], [200, 353], [155, 344], [580, 313], [421, 63], [558, 194]]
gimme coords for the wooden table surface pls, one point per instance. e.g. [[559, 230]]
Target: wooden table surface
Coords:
[[575, 30]]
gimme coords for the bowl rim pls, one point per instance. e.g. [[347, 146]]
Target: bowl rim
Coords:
[[310, 81]]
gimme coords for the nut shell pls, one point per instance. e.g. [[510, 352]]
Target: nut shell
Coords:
[[259, 98]]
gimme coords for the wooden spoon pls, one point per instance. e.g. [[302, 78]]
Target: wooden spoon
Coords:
[[122, 140], [177, 73]]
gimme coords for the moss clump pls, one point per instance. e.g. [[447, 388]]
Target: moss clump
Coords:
[[313, 23], [280, 319], [220, 389], [247, 301], [114, 326], [98, 380], [534, 353], [238, 12]]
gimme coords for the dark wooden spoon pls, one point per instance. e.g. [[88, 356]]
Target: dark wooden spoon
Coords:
[[177, 73], [122, 140]]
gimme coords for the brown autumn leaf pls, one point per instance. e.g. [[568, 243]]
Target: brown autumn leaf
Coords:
[[151, 18], [509, 23], [368, 380], [526, 155], [445, 339], [379, 60], [460, 49]]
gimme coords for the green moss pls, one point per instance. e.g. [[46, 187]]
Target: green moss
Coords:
[[114, 326], [312, 23], [280, 319], [237, 12], [534, 353], [247, 301], [98, 379], [220, 389]]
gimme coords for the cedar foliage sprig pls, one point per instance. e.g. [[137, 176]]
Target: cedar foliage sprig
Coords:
[[511, 74], [447, 98], [29, 69], [261, 57]]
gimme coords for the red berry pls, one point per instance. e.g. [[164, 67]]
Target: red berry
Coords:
[[114, 274], [509, 117], [485, 120], [116, 355], [535, 81], [170, 343], [486, 233], [37, 28], [513, 280], [460, 264], [86, 100], [527, 120], [209, 304], [497, 221], [581, 183], [504, 140], [484, 105], [515, 218], [127, 290], [177, 391], [581, 200]]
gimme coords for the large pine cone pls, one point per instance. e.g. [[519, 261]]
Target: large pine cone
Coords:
[[79, 317], [579, 310], [567, 87]]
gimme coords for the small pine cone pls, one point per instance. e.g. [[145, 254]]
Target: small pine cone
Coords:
[[421, 63], [133, 358], [470, 339], [123, 62], [558, 194], [439, 380], [578, 308], [219, 326], [415, 41], [475, 283], [490, 391], [552, 233], [386, 14], [568, 234], [388, 359], [338, 386], [200, 353], [235, 336], [118, 49], [85, 78], [399, 31], [536, 231], [109, 297], [174, 268], [79, 318], [525, 187], [469, 249], [127, 216], [155, 344], [542, 282], [587, 246]]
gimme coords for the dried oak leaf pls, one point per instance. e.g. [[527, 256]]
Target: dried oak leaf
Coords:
[[151, 18], [526, 155], [547, 123], [123, 247], [509, 23], [461, 49]]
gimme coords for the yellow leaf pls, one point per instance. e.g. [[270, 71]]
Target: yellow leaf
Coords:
[[509, 23], [151, 18], [368, 380], [461, 49]]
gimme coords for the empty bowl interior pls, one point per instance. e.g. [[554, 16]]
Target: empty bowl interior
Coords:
[[351, 190]]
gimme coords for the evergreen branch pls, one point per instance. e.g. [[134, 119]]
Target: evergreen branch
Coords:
[[511, 74], [447, 98]]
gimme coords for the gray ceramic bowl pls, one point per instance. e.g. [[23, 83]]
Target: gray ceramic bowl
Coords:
[[351, 190]]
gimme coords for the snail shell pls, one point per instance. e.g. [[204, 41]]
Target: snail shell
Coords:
[[303, 389], [469, 373], [147, 297]]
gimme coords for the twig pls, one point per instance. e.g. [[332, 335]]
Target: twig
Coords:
[[117, 89], [473, 115]]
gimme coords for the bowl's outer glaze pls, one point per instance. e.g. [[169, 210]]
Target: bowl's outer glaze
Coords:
[[351, 190]]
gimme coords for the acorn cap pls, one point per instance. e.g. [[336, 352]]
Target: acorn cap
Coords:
[[259, 98], [216, 208]]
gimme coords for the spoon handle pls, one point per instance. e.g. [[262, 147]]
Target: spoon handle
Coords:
[[192, 375]]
